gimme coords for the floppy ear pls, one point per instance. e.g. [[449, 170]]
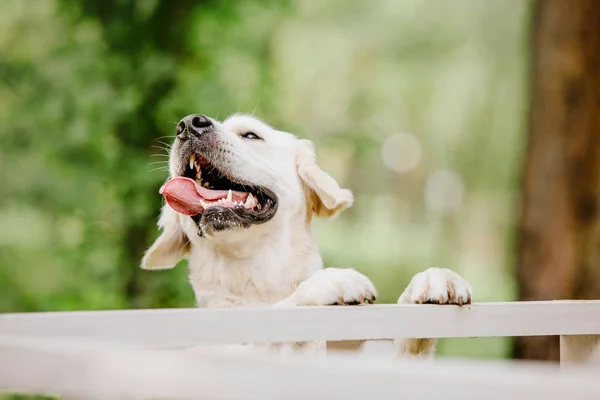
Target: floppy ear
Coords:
[[325, 196], [172, 244]]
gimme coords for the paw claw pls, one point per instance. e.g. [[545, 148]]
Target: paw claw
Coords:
[[437, 286], [334, 286], [370, 299]]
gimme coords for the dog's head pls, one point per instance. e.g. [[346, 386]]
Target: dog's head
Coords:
[[235, 176]]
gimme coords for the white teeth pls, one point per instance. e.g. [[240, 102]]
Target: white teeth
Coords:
[[192, 160], [204, 204], [205, 184], [250, 201]]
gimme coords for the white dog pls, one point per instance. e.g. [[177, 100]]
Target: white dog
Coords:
[[239, 208]]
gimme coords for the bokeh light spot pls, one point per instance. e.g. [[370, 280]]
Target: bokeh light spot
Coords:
[[401, 152]]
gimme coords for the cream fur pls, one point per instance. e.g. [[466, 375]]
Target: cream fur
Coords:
[[277, 263]]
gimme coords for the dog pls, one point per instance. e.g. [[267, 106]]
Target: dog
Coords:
[[239, 205]]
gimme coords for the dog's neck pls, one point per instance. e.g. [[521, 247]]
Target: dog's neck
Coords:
[[256, 266]]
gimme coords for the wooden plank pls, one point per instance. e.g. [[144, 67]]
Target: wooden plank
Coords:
[[108, 372], [580, 349], [184, 327], [359, 347], [352, 346]]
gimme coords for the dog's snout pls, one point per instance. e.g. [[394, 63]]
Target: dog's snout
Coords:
[[195, 123]]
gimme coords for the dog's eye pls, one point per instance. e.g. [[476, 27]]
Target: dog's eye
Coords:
[[250, 135]]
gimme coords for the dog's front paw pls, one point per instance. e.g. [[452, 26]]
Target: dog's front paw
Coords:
[[335, 286], [437, 286]]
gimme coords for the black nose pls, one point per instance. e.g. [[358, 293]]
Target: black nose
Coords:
[[194, 123]]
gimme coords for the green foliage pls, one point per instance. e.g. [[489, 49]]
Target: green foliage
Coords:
[[91, 92]]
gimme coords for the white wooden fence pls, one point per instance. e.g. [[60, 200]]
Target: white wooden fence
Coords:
[[121, 354]]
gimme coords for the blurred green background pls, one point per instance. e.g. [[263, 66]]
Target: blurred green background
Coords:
[[418, 106]]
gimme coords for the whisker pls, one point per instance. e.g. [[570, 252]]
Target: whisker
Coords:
[[159, 155], [165, 137], [163, 162], [255, 107], [159, 169], [163, 143], [161, 148]]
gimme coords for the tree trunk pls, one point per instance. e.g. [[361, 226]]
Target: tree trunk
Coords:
[[559, 254]]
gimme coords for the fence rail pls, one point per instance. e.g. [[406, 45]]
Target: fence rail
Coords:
[[108, 372], [184, 327], [104, 355]]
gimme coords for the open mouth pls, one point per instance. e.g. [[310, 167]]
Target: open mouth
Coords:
[[203, 186]]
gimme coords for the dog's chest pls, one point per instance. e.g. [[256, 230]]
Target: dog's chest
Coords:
[[221, 282]]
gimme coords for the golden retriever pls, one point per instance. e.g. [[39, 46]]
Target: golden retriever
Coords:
[[239, 205]]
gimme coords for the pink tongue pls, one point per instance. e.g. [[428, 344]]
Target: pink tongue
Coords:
[[184, 195]]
